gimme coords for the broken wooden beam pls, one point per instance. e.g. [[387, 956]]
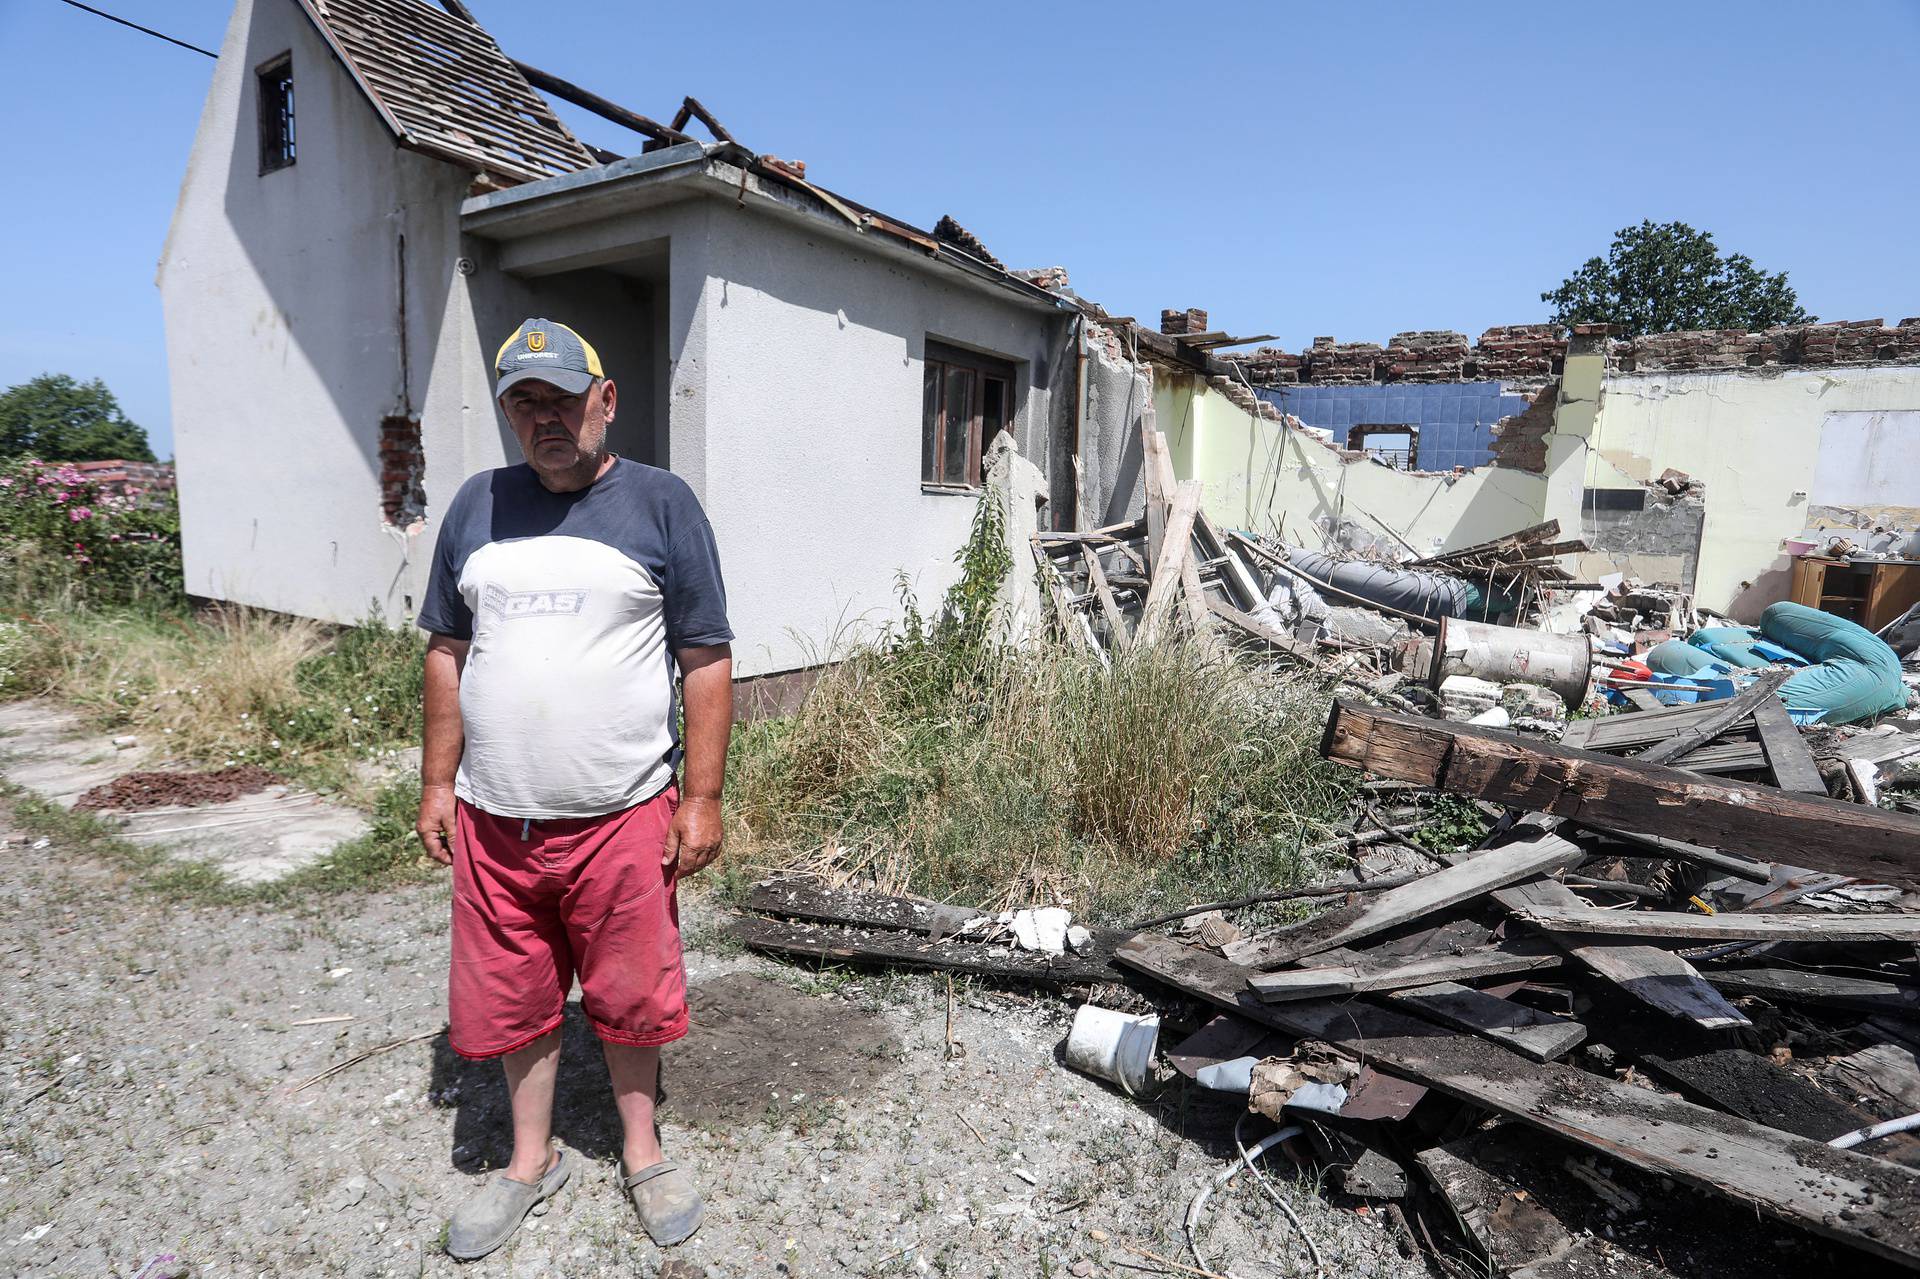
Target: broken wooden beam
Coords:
[[1356, 975], [1866, 1203], [1528, 1031], [1788, 757], [1176, 549], [832, 942], [1735, 926], [1834, 990], [1725, 715], [1657, 978], [1807, 830], [1446, 887], [1748, 1085]]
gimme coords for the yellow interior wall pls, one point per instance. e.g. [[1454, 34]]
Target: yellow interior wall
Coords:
[[1753, 439], [1259, 475]]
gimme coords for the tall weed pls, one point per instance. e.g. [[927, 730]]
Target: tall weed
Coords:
[[938, 761]]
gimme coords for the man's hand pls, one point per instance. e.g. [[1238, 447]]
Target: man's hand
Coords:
[[695, 836], [435, 824]]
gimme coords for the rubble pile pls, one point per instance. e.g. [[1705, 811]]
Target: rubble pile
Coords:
[[1661, 1017], [1654, 1022]]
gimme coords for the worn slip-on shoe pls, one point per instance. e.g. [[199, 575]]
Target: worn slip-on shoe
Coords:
[[489, 1218], [663, 1194]]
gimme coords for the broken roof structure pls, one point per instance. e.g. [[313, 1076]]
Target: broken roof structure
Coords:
[[445, 89]]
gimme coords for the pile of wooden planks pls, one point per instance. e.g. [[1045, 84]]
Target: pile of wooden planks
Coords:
[[1168, 572], [1616, 1036]]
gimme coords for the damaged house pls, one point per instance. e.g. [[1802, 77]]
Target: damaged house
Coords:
[[377, 193]]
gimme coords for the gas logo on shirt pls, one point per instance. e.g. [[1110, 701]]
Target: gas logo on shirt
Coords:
[[510, 605]]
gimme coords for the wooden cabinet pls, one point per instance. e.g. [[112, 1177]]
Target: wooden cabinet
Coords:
[[1870, 592]]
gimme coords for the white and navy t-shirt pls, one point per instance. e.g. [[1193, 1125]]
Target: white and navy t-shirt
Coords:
[[575, 604]]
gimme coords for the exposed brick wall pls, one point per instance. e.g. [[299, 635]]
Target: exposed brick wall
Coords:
[[1847, 342], [1520, 441], [122, 477], [403, 494], [1513, 352], [1191, 320], [1531, 353], [1520, 352]]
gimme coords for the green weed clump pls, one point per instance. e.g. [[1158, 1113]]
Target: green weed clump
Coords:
[[939, 761]]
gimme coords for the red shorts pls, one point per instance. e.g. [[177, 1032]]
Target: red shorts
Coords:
[[535, 904]]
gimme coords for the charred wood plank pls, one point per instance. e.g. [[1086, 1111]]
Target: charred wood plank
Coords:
[[1446, 887], [831, 942], [1806, 830], [1657, 978], [1867, 1203]]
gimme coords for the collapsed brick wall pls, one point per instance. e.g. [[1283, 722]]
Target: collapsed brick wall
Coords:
[[1845, 342], [1180, 323], [403, 465], [1511, 352], [1531, 353], [1520, 441]]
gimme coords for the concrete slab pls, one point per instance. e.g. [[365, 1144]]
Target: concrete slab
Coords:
[[48, 750], [254, 839]]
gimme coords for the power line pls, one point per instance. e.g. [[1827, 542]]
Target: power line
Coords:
[[158, 35]]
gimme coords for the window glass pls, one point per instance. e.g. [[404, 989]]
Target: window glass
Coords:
[[958, 418]]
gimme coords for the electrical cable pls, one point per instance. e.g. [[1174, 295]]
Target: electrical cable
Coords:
[[1245, 1164], [158, 35]]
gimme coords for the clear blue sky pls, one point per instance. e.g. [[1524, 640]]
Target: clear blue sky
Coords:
[[1353, 172]]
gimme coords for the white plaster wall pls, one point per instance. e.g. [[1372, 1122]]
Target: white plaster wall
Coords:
[[795, 413], [281, 294], [1754, 439]]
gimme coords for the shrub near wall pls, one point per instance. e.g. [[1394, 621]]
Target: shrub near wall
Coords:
[[65, 537]]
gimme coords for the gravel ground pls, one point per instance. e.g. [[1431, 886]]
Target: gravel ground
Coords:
[[149, 1058]]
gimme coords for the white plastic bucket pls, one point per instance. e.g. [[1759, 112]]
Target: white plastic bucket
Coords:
[[1114, 1046]]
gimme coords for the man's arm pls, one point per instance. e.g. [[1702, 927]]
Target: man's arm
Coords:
[[706, 676], [441, 746]]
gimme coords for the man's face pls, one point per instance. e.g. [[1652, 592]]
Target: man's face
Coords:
[[560, 433]]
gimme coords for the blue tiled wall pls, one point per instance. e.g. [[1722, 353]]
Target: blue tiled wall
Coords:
[[1455, 418]]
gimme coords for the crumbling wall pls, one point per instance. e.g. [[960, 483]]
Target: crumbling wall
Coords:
[[1754, 442], [1266, 474], [1528, 353], [1792, 346], [1119, 400], [1509, 353], [403, 471], [1648, 531], [1520, 441]]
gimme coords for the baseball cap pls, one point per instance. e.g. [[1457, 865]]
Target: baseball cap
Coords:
[[549, 351]]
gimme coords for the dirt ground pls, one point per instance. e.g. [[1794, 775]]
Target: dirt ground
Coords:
[[151, 1126]]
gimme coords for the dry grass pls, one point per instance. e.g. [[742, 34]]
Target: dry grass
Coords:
[[229, 686], [1042, 775]]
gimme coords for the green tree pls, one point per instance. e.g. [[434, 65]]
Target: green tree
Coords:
[[1663, 277], [61, 420]]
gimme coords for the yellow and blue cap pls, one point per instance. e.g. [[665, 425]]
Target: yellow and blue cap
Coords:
[[550, 352]]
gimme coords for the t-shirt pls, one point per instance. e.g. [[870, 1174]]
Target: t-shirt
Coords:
[[575, 604]]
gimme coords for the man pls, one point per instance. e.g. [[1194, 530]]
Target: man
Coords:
[[563, 594]]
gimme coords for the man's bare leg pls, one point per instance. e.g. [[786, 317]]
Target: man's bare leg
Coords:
[[635, 1072], [531, 1072]]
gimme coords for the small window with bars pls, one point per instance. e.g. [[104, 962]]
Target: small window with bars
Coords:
[[275, 81], [966, 400]]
